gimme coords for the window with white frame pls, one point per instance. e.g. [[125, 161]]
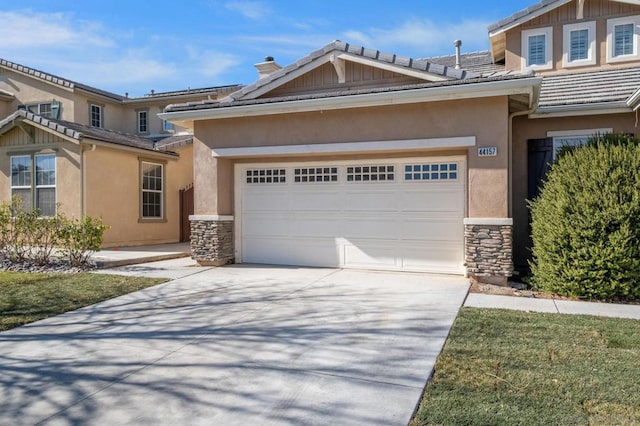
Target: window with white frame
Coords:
[[167, 126], [143, 121], [623, 36], [95, 115], [35, 190], [579, 44], [568, 138], [152, 186], [537, 49], [44, 109]]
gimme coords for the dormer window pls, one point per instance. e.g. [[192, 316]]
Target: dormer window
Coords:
[[537, 49], [579, 44], [622, 39]]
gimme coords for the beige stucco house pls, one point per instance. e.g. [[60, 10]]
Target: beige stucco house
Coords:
[[79, 150], [351, 157]]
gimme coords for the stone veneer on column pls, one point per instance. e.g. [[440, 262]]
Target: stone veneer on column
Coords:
[[489, 249], [212, 240]]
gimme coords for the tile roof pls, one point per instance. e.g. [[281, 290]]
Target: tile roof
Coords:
[[192, 106], [612, 87], [342, 47], [69, 84], [79, 131], [189, 91], [480, 62], [528, 13]]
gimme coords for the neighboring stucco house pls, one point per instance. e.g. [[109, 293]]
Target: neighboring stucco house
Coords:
[[355, 158], [85, 151]]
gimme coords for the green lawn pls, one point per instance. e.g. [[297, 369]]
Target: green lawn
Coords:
[[25, 298], [515, 368]]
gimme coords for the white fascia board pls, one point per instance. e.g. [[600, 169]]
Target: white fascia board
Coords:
[[288, 77], [142, 152], [634, 100], [345, 148], [529, 16], [578, 110], [430, 94], [422, 75]]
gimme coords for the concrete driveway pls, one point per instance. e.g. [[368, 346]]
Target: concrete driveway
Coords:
[[236, 345]]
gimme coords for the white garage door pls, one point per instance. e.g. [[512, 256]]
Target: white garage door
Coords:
[[391, 215]]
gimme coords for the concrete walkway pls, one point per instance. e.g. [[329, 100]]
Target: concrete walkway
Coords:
[[237, 345], [122, 256], [530, 304]]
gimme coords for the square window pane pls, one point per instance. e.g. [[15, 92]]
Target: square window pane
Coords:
[[21, 171], [453, 167], [579, 45], [46, 201], [408, 176], [537, 50], [623, 40], [24, 195]]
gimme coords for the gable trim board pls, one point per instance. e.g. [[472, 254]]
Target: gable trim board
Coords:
[[345, 148], [535, 11], [416, 67], [513, 85]]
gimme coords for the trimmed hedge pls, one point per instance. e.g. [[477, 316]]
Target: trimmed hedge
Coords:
[[586, 222]]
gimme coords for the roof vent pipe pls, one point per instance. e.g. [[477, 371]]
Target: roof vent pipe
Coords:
[[458, 44]]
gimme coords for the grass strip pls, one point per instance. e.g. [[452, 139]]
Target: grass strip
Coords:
[[517, 368], [28, 297]]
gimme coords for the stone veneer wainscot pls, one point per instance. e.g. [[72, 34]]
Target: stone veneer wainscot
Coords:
[[212, 240], [489, 249]]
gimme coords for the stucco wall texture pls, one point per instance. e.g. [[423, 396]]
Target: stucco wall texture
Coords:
[[484, 118]]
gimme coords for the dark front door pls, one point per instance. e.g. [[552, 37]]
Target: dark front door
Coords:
[[539, 159], [186, 210]]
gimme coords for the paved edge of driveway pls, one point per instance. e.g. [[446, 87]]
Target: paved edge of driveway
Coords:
[[613, 310]]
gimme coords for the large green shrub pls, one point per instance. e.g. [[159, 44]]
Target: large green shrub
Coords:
[[586, 222]]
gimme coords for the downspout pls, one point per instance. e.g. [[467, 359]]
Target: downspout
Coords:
[[83, 177]]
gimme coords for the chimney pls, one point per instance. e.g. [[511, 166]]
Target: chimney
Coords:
[[267, 67], [457, 44]]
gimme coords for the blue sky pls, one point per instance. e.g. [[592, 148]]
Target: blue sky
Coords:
[[134, 46]]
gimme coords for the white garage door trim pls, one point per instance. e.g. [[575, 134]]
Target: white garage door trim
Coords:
[[240, 178]]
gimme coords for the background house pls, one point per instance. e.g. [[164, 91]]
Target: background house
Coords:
[[352, 157], [84, 150]]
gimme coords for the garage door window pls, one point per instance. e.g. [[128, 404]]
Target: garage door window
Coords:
[[430, 172], [371, 174], [315, 174], [258, 176]]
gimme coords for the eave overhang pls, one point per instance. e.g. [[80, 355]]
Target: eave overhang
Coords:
[[528, 85]]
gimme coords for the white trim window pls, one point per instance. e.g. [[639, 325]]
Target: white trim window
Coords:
[[623, 37], [143, 121], [565, 138], [95, 115], [167, 126], [537, 49], [152, 177], [38, 193], [579, 44]]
